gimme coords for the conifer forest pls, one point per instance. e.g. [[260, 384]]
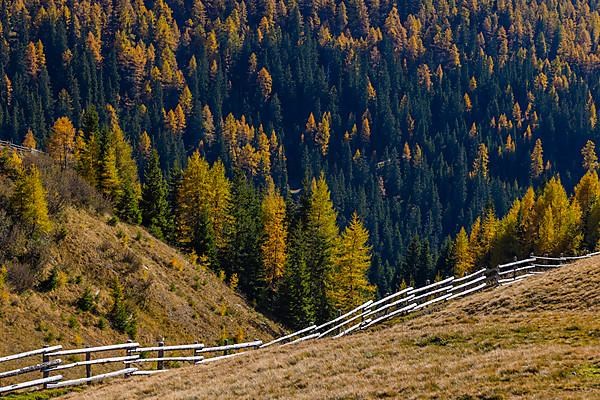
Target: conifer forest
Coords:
[[314, 154]]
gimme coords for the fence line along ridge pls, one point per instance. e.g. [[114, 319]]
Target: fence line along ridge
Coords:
[[360, 318]]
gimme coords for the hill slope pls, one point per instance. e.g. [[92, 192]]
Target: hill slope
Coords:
[[538, 339], [172, 298]]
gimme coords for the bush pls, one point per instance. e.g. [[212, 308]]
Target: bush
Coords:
[[54, 281], [87, 302], [121, 316]]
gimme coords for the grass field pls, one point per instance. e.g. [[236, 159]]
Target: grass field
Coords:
[[539, 339]]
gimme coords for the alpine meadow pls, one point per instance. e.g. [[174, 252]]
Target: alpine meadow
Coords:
[[247, 173]]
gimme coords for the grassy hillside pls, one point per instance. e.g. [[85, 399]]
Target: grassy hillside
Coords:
[[538, 339], [87, 252]]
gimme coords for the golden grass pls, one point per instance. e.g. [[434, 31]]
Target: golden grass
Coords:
[[539, 339], [176, 300]]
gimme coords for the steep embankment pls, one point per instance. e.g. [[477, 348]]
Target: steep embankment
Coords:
[[538, 339], [172, 298]]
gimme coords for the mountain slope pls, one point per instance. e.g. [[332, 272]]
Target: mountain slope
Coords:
[[171, 297], [538, 339]]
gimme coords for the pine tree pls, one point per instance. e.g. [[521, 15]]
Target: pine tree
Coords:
[[121, 316], [154, 204], [29, 202], [244, 256], [295, 299], [350, 285], [127, 206]]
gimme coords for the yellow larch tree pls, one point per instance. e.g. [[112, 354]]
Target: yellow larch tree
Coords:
[[29, 201], [273, 248], [29, 140], [62, 141], [350, 284], [590, 158], [462, 259]]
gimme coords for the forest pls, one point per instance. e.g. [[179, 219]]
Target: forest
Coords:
[[316, 153]]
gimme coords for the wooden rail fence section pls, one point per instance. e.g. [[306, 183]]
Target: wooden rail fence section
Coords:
[[362, 317], [19, 148]]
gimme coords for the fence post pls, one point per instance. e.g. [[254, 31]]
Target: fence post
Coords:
[[197, 352], [45, 372], [161, 353], [258, 345], [386, 310], [88, 367], [226, 344], [128, 352]]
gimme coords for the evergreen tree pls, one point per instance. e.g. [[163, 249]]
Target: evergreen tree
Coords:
[[296, 302], [154, 204]]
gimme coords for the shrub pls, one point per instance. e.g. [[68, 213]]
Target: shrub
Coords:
[[56, 279], [121, 316], [87, 302], [113, 221]]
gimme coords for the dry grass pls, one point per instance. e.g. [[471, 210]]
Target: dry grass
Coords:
[[173, 299], [539, 339]]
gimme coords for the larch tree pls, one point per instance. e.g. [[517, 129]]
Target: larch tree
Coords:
[[350, 284], [461, 257], [590, 158], [323, 133], [274, 252], [194, 230], [587, 195], [323, 245], [29, 140], [62, 141], [536, 168], [219, 203], [29, 201]]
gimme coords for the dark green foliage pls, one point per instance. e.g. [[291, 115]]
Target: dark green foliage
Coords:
[[127, 207], [154, 204], [243, 256], [413, 176], [295, 300], [122, 318], [87, 301], [52, 282]]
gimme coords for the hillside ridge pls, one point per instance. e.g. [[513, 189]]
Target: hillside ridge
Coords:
[[534, 339], [173, 299]]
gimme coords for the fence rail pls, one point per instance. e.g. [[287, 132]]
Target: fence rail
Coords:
[[18, 147], [360, 318]]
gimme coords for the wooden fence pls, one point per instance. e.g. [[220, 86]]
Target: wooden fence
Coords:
[[364, 316], [129, 364], [19, 148]]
